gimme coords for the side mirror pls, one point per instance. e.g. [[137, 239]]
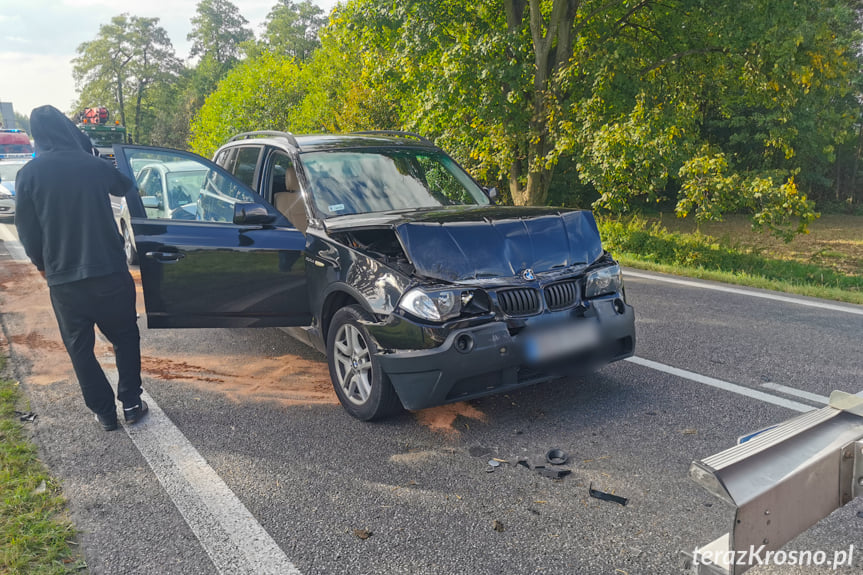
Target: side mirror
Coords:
[[491, 193], [151, 202], [250, 214]]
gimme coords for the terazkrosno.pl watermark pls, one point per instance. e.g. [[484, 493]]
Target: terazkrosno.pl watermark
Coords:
[[761, 556]]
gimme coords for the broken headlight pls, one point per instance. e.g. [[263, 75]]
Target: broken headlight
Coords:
[[603, 281], [438, 305]]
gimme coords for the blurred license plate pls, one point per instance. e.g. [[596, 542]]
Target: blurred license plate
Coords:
[[552, 342]]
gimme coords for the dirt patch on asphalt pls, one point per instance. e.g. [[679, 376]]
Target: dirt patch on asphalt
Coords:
[[33, 335], [37, 341], [286, 379], [444, 419]]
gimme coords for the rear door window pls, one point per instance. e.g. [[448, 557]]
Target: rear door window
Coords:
[[245, 167]]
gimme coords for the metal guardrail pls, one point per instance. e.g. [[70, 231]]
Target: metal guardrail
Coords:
[[781, 482]]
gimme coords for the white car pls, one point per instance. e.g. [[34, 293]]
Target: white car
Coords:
[[8, 171], [7, 202]]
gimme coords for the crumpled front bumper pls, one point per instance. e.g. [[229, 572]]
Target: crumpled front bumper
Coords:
[[488, 359]]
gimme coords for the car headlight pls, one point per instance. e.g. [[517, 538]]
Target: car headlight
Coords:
[[603, 281], [5, 193], [439, 305]]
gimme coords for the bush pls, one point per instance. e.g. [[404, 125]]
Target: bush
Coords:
[[653, 243]]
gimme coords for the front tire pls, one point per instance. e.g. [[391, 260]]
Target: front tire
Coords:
[[128, 246], [363, 389]]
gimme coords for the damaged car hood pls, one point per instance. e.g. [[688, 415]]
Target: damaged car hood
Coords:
[[471, 243]]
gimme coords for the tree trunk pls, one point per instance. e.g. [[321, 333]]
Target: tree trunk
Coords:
[[852, 187], [120, 100], [552, 48]]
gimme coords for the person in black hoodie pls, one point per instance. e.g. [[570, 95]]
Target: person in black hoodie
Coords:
[[66, 225]]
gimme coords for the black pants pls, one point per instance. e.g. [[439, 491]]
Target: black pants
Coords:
[[108, 302]]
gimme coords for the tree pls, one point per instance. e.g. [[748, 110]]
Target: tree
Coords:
[[101, 68], [689, 100], [154, 62], [129, 56], [23, 122], [218, 29], [258, 94], [292, 28]]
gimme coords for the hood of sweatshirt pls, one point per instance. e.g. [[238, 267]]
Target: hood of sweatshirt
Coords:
[[53, 132]]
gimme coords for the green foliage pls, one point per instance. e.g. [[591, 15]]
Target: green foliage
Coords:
[[708, 107], [127, 59], [259, 94], [635, 238], [218, 30], [23, 122], [34, 538], [292, 29]]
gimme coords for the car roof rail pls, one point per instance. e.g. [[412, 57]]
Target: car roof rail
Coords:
[[248, 135], [398, 133]]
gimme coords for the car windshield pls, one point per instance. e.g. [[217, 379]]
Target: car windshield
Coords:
[[381, 180]]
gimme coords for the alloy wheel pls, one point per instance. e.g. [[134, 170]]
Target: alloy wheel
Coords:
[[353, 364]]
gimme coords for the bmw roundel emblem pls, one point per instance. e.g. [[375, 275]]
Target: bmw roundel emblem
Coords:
[[528, 275]]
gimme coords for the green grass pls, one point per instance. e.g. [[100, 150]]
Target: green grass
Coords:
[[35, 536], [639, 243]]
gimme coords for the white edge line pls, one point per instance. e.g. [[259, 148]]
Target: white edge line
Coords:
[[763, 295], [228, 532], [797, 392], [724, 385]]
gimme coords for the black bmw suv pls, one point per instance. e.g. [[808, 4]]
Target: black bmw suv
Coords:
[[383, 253]]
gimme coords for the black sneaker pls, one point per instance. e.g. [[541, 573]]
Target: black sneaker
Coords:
[[134, 414], [108, 422]]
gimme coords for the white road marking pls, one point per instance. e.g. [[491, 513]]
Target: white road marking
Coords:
[[16, 250], [724, 385], [764, 295], [228, 532], [797, 392]]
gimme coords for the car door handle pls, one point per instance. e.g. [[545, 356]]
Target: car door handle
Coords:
[[165, 257]]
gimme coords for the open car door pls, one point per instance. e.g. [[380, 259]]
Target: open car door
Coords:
[[212, 252]]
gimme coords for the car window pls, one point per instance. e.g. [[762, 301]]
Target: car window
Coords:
[[379, 180], [246, 164], [226, 158], [150, 189], [177, 186]]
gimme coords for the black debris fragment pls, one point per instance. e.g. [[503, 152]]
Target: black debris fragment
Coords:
[[27, 417], [606, 496], [523, 463]]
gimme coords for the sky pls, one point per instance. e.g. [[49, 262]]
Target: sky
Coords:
[[38, 39]]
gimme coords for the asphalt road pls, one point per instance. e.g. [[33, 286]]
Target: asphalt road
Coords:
[[249, 448]]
